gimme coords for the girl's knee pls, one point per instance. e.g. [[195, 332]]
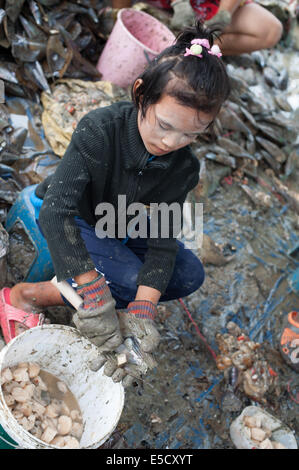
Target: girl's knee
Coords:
[[199, 275], [25, 291], [274, 33], [125, 287], [196, 277], [123, 296]]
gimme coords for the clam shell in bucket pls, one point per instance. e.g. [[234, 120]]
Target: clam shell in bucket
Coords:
[[63, 352]]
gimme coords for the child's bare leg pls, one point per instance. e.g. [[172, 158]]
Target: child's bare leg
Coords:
[[30, 297], [252, 28]]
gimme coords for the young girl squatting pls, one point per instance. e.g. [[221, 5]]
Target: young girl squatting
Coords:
[[140, 150]]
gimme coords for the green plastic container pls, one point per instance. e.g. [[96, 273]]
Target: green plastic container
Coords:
[[6, 442]]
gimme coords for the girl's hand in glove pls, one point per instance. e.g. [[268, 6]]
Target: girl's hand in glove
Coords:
[[97, 318], [183, 14], [136, 321]]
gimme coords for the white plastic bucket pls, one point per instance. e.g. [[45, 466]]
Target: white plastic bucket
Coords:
[[135, 39], [280, 432], [63, 352]]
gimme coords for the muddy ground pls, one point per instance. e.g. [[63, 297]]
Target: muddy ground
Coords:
[[181, 403]]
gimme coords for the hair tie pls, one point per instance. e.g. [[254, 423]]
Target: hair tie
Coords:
[[198, 44], [215, 50]]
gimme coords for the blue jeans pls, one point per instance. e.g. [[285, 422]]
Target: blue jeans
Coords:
[[120, 264]]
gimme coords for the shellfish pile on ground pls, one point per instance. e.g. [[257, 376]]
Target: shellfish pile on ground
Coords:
[[255, 376], [41, 404]]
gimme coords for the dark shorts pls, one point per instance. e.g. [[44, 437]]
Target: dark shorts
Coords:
[[120, 263], [204, 9]]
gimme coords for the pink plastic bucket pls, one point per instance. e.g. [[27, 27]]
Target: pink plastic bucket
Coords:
[[136, 38]]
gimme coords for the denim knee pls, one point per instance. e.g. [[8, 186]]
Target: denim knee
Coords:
[[187, 277], [199, 276], [126, 290], [196, 277]]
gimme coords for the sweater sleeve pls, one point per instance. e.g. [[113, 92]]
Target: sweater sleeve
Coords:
[[160, 257], [68, 252]]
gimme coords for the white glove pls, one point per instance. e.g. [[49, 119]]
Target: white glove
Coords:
[[183, 14], [223, 18]]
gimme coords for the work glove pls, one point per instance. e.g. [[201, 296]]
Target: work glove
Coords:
[[97, 318], [137, 327], [223, 18], [183, 14]]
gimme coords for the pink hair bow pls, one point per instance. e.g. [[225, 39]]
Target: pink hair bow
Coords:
[[202, 42], [196, 48]]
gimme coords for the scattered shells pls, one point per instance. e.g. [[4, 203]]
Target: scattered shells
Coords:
[[6, 376], [255, 376], [253, 421], [64, 425], [48, 434], [19, 394], [233, 329], [33, 370], [37, 431], [62, 387], [259, 434], [250, 421], [52, 410], [77, 430], [58, 441], [223, 362], [65, 409], [20, 375], [9, 399], [26, 423], [25, 408], [7, 387], [28, 396], [38, 408], [121, 359], [75, 415], [38, 381], [266, 444], [71, 442], [29, 389]]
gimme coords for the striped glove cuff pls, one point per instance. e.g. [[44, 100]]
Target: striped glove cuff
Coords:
[[95, 294], [142, 309]]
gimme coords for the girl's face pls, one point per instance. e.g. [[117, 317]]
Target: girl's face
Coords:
[[169, 126]]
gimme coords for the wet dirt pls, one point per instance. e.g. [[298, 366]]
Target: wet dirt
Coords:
[[180, 404], [21, 254]]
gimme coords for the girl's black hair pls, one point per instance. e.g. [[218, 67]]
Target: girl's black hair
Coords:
[[200, 83]]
